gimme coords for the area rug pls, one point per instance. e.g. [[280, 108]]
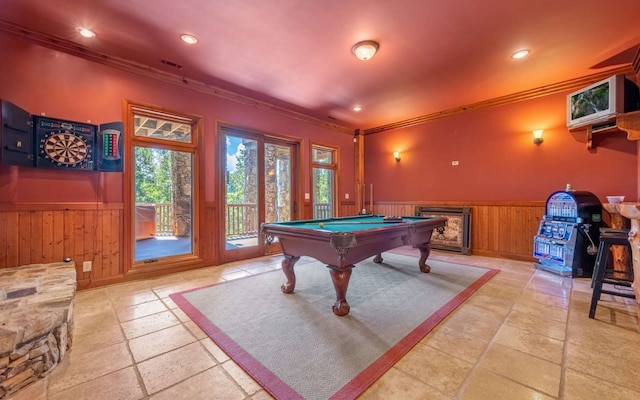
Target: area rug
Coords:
[[296, 348]]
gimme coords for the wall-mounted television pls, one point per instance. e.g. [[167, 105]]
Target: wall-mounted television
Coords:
[[600, 102]]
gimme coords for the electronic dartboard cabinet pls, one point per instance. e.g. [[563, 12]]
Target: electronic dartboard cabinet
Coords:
[[64, 144], [46, 142]]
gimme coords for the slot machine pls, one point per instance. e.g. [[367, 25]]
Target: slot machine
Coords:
[[568, 236]]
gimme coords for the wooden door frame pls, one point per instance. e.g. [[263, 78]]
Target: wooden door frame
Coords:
[[169, 264], [222, 130], [336, 169]]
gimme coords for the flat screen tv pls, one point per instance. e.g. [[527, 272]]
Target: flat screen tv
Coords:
[[600, 102]]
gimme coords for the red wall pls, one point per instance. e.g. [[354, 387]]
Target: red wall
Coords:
[[497, 157], [41, 80], [494, 146]]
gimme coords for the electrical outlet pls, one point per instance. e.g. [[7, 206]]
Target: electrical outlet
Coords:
[[86, 266], [455, 163], [346, 196]]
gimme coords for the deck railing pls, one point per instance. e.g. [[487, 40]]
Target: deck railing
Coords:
[[322, 210], [242, 220], [164, 217]]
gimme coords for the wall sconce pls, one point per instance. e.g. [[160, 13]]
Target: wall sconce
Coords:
[[396, 155], [365, 50], [537, 136]]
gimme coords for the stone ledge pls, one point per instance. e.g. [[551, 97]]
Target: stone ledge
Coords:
[[36, 321]]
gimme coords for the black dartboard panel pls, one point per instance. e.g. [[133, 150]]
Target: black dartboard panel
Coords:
[[64, 144]]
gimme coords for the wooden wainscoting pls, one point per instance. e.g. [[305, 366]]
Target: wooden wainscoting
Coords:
[[45, 233], [498, 229]]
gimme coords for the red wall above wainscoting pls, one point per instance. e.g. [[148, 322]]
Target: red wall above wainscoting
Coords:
[[42, 80], [497, 157]]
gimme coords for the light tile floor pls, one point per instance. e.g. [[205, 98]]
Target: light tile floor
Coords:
[[524, 335]]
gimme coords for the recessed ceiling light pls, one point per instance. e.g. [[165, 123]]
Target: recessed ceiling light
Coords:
[[357, 108], [84, 32], [520, 54], [189, 39]]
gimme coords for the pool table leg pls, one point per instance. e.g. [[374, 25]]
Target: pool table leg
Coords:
[[425, 249], [287, 268], [340, 278]]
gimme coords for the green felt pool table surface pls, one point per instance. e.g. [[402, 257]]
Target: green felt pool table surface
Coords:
[[349, 224], [340, 243]]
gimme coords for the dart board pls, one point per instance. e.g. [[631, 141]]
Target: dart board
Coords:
[[64, 144]]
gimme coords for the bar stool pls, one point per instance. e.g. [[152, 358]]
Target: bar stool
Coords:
[[608, 238]]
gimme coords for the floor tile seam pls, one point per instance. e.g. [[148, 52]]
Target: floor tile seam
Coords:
[[230, 361], [417, 379], [483, 354], [50, 393], [528, 331], [136, 363], [139, 375], [448, 355], [522, 384], [142, 316], [246, 396], [543, 319], [565, 347], [143, 388], [545, 303], [195, 339], [154, 331], [599, 378]]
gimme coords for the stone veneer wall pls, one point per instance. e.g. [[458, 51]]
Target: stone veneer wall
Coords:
[[36, 321]]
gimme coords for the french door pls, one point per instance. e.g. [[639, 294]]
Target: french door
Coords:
[[260, 185]]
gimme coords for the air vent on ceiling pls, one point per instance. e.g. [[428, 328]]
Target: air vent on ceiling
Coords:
[[171, 63]]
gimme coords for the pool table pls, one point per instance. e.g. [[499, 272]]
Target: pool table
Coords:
[[342, 242]]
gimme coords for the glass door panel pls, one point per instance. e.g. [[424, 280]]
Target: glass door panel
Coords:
[[163, 215], [279, 202], [277, 182], [242, 191], [323, 192]]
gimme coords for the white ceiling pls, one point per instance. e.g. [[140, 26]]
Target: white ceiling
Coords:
[[434, 54]]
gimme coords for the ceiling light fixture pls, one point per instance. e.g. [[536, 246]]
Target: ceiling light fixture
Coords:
[[365, 50], [84, 32], [189, 39], [520, 54], [357, 108]]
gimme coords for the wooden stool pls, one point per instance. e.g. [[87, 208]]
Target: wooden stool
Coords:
[[608, 238]]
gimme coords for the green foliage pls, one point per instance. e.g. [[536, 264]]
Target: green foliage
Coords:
[[322, 185], [236, 180], [152, 175]]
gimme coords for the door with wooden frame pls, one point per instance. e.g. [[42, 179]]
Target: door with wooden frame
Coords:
[[324, 181], [260, 178], [162, 190]]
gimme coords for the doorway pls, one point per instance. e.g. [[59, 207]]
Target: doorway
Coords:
[[162, 190], [260, 185], [324, 170]]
